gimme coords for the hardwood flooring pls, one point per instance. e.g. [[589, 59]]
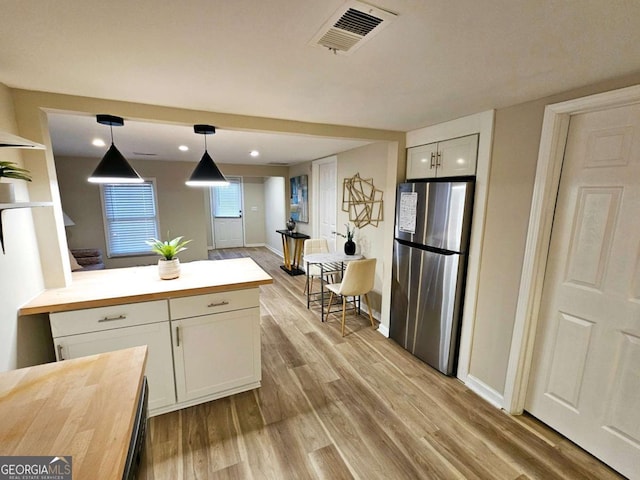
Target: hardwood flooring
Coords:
[[353, 407]]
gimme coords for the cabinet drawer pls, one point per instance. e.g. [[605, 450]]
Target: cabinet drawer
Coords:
[[213, 303], [107, 318]]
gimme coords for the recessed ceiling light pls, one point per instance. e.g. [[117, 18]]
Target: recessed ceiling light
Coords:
[[98, 142], [183, 148], [254, 153]]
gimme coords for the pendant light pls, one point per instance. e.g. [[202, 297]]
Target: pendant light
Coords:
[[113, 168], [206, 173]]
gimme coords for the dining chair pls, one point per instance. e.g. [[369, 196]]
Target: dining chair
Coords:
[[358, 280], [316, 245]]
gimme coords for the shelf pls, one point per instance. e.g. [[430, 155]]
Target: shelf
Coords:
[[11, 206]]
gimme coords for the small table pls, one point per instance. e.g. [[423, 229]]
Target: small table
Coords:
[[323, 259], [292, 264]]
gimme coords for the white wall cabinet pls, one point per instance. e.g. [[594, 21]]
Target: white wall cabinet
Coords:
[[450, 158], [207, 348]]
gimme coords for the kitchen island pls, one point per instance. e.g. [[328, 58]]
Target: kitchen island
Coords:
[[84, 409], [202, 329]]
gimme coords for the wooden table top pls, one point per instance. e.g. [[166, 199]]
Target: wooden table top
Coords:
[[117, 286], [83, 407]]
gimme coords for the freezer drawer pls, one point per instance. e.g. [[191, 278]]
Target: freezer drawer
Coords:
[[427, 291]]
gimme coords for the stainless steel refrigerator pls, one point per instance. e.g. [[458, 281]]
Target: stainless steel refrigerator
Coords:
[[433, 223]]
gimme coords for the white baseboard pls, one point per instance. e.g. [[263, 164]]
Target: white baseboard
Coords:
[[384, 330], [485, 391], [277, 252], [254, 245]]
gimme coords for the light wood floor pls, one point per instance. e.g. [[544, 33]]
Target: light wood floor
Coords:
[[358, 407]]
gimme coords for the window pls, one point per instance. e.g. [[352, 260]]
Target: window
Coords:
[[227, 200], [130, 217]]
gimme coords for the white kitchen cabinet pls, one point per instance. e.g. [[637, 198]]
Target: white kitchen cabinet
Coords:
[[79, 333], [201, 347], [449, 158], [156, 336], [217, 355]]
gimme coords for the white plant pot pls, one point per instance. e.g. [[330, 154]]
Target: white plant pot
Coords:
[[169, 269], [7, 193]]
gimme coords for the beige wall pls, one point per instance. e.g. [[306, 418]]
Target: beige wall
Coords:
[[276, 211], [254, 211], [181, 209], [515, 152], [23, 342], [370, 161]]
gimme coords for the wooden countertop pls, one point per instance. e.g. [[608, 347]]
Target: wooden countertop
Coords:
[[101, 288], [84, 408]]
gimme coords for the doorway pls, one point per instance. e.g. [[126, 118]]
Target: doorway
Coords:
[[325, 205], [226, 212], [578, 319]]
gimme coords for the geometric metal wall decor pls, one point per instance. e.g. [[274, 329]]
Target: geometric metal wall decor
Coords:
[[362, 200]]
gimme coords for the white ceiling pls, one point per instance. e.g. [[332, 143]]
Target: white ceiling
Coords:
[[438, 60], [71, 135]]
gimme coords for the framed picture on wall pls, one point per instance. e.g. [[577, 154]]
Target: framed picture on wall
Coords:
[[299, 205]]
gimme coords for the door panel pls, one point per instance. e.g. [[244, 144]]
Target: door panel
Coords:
[[226, 208], [584, 380], [327, 202]]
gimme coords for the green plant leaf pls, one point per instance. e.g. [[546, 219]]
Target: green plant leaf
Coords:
[[169, 248], [12, 170]]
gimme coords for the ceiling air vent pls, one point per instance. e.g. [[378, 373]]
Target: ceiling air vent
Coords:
[[351, 26]]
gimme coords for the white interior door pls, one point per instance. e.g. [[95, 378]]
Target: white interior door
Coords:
[[226, 208], [327, 200], [585, 379]]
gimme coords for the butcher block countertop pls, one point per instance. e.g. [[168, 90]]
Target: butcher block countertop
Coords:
[[84, 408], [103, 288]]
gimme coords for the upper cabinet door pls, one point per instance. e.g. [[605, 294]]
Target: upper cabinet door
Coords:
[[457, 157], [421, 161]]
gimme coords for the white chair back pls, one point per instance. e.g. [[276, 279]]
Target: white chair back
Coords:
[[315, 245], [359, 277]]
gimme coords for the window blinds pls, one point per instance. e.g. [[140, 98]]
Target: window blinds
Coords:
[[226, 200], [130, 217]]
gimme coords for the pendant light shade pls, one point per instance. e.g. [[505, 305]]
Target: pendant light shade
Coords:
[[206, 173], [113, 168]]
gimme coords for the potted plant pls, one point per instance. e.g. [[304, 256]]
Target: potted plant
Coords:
[[349, 245], [11, 170], [169, 264]]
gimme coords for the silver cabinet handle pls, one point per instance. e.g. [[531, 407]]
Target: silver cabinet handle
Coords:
[[219, 304], [111, 319], [177, 336], [60, 357], [439, 158], [433, 160]]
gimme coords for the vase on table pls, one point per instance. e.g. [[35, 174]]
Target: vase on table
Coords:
[[349, 247], [169, 269], [291, 224]]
